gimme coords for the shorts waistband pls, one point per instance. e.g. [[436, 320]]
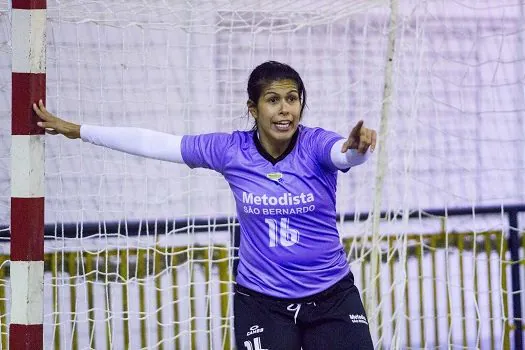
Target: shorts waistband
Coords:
[[343, 284]]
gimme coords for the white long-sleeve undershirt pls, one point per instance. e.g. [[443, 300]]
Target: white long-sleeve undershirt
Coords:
[[163, 146], [136, 141], [348, 159]]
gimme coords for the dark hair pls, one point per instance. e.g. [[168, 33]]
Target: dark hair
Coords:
[[270, 71]]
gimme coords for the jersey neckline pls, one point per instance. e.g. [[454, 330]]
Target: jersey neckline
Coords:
[[267, 155]]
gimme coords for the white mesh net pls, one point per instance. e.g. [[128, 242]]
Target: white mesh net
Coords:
[[453, 139]]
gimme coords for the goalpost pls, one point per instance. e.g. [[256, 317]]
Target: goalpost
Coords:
[[136, 253]]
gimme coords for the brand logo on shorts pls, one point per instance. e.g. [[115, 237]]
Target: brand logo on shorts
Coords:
[[254, 330], [358, 319]]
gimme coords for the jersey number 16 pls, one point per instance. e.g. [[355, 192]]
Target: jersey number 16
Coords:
[[287, 236]]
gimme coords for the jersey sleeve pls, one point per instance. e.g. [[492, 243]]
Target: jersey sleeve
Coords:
[[206, 150], [321, 143]]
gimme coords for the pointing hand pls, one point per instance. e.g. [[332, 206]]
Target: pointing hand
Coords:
[[361, 139]]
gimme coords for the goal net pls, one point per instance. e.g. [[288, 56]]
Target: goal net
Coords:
[[141, 253]]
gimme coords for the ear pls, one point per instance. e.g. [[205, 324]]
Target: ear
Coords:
[[252, 108]]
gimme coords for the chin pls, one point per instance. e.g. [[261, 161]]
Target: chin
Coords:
[[284, 136]]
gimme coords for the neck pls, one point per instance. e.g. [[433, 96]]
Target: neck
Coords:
[[275, 149]]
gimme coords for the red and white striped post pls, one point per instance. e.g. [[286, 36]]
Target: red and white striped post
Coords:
[[27, 175]]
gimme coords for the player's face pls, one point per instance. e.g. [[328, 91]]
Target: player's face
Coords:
[[278, 112]]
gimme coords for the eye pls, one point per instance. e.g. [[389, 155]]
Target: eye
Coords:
[[273, 99], [293, 98]]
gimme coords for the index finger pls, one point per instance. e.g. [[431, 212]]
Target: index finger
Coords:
[[357, 128], [40, 109], [37, 111]]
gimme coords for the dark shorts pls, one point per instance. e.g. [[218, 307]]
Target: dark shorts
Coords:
[[331, 320]]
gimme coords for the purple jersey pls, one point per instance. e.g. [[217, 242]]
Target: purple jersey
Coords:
[[290, 247]]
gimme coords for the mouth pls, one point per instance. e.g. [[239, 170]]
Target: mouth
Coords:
[[284, 125]]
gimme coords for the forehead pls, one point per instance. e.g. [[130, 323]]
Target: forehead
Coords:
[[280, 86]]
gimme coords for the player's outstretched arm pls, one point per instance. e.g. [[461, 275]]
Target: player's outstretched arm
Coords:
[[355, 149], [136, 141]]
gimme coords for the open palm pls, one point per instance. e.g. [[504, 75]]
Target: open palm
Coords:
[[55, 125]]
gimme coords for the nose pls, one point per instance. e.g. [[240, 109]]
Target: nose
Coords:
[[285, 107]]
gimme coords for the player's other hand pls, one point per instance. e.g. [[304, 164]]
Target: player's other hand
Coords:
[[361, 139], [55, 125]]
